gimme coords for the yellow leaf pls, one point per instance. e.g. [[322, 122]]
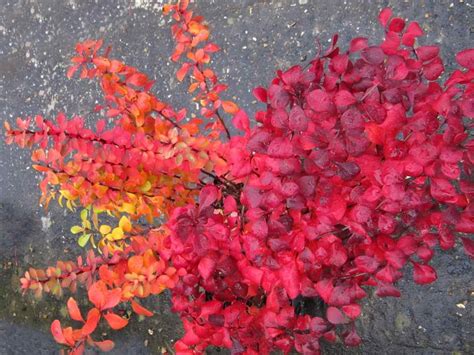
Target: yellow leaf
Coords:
[[84, 215], [104, 229], [86, 224], [117, 233], [146, 186], [76, 229], [125, 224], [128, 207]]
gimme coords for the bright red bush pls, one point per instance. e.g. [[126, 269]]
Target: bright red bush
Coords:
[[360, 163]]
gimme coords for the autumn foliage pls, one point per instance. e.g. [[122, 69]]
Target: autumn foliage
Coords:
[[359, 165]]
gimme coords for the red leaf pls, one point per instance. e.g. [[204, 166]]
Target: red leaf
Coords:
[[260, 94], [414, 29], [115, 321], [433, 69], [93, 318], [335, 316], [230, 205], [407, 244], [468, 246], [423, 274], [366, 263], [253, 274], [426, 53], [396, 25], [298, 120], [73, 310], [351, 310], [387, 290], [280, 147], [396, 258], [373, 55], [279, 98], [324, 289], [358, 44], [57, 332], [388, 274], [105, 345], [465, 58], [208, 196], [339, 63], [206, 267], [344, 98], [319, 100], [139, 309], [290, 279], [385, 15], [352, 338], [241, 121]]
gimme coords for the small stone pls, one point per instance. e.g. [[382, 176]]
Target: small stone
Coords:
[[402, 321], [461, 305], [150, 331], [302, 2]]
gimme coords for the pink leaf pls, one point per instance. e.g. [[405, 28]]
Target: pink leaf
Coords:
[[241, 121], [335, 316], [384, 16]]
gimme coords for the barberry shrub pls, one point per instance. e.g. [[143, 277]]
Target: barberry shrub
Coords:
[[359, 164]]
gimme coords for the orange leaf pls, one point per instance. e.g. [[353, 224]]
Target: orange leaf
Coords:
[[181, 73], [73, 309], [57, 332], [96, 294], [115, 321], [230, 107], [93, 318], [137, 79], [113, 298], [139, 309], [72, 70], [105, 345], [40, 168], [135, 264]]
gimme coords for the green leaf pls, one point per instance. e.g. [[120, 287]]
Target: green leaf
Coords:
[[83, 239], [76, 229]]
